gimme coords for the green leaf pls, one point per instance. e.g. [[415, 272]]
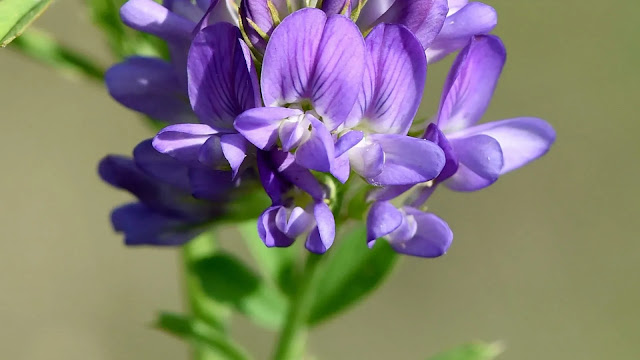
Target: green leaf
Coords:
[[200, 333], [41, 46], [17, 15], [276, 264], [352, 272], [474, 351], [228, 281]]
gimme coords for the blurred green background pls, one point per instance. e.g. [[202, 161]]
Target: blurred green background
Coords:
[[547, 260]]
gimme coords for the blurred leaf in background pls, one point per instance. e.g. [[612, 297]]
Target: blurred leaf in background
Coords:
[[474, 351], [17, 15]]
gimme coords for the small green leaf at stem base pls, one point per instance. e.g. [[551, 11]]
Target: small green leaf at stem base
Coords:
[[17, 15], [473, 351]]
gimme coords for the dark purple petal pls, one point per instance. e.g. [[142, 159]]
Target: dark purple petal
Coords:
[[393, 81], [315, 58], [522, 140], [318, 152], [210, 153], [160, 166], [184, 8], [258, 12], [432, 238], [150, 17], [480, 163], [274, 185], [260, 125], [475, 18], [423, 17], [321, 237], [347, 141], [340, 168], [382, 220], [143, 226], [332, 7], [407, 160], [209, 184], [234, 148], [222, 79], [371, 12], [150, 86], [183, 141], [287, 168], [436, 136], [471, 82], [268, 230]]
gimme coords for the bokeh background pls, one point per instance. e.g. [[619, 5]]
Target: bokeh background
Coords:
[[547, 260]]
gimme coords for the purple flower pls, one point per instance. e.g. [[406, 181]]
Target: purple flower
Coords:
[[166, 213], [311, 76], [408, 230], [482, 152], [389, 97], [152, 86], [298, 204], [222, 84]]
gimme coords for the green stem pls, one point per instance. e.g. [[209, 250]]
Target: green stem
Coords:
[[43, 47], [293, 337]]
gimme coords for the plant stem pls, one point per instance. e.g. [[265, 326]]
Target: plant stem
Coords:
[[293, 337]]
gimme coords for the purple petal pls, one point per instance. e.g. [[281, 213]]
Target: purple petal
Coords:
[[332, 7], [480, 163], [340, 168], [152, 18], [234, 148], [222, 79], [470, 84], [209, 184], [347, 141], [160, 166], [293, 131], [143, 226], [210, 153], [371, 12], [367, 159], [184, 8], [312, 57], [432, 238], [260, 125], [394, 79], [321, 237], [522, 140], [436, 136], [382, 220], [150, 86], [456, 5], [423, 17], [407, 160], [295, 223], [287, 167], [318, 152], [183, 141], [475, 18], [274, 185], [268, 230]]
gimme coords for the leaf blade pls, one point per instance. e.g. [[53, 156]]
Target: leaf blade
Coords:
[[17, 15], [352, 272]]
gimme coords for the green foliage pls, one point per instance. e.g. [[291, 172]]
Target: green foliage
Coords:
[[17, 15], [351, 272], [474, 351], [228, 281], [200, 334], [276, 264]]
